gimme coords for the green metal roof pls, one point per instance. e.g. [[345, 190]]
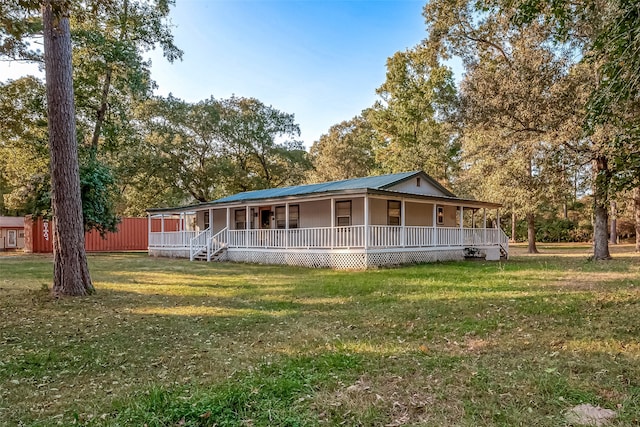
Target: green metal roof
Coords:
[[371, 182]]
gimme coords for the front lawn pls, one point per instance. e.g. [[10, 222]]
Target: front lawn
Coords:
[[176, 343]]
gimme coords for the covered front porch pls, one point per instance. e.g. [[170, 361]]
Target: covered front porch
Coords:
[[358, 231]]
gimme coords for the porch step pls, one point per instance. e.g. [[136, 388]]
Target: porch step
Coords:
[[202, 256]]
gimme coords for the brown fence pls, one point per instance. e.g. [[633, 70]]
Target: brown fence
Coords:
[[131, 236]]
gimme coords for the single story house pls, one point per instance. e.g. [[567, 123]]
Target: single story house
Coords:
[[11, 232], [351, 224]]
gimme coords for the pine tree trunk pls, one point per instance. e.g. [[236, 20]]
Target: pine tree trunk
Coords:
[[531, 234], [613, 228], [513, 227], [601, 209], [71, 272], [636, 209]]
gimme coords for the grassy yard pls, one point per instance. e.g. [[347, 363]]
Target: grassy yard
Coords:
[[175, 343]]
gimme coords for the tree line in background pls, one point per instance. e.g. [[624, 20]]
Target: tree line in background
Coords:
[[544, 120]]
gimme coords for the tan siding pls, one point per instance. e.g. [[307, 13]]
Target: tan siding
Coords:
[[315, 214], [219, 219], [450, 216], [418, 214], [378, 209]]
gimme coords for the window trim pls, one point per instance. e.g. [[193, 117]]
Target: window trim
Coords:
[[244, 219], [399, 216], [337, 216], [439, 214]]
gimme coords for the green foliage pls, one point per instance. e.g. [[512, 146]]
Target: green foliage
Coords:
[[218, 147], [417, 99], [345, 152], [98, 188]]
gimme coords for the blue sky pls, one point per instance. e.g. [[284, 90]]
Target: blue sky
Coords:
[[320, 60]]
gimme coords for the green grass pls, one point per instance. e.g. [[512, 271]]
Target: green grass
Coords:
[[172, 343]]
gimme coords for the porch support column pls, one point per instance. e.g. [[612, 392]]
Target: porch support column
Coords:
[[461, 225], [366, 221], [246, 225], [286, 225], [403, 233], [484, 225], [435, 225], [211, 219], [333, 221], [162, 230]]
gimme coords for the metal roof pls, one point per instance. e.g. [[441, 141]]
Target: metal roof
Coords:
[[371, 182], [12, 221]]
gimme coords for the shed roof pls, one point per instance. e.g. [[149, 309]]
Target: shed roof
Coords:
[[11, 222]]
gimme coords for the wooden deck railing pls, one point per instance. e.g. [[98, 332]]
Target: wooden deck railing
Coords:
[[357, 236]]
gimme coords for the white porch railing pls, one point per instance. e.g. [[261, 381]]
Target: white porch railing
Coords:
[[171, 239], [357, 236], [199, 243]]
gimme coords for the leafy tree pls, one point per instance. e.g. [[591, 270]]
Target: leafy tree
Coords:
[[513, 123], [260, 142], [217, 147], [345, 152], [417, 99]]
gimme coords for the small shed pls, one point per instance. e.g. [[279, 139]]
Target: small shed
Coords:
[[11, 233]]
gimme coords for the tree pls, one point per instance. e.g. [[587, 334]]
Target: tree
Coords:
[[345, 152], [71, 271], [513, 116], [217, 147], [412, 116]]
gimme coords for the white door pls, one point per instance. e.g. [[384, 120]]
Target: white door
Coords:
[[12, 238]]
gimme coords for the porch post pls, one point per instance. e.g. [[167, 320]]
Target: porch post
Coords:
[[162, 230], [246, 225], [366, 221], [286, 225], [498, 218], [461, 226], [484, 225], [333, 221], [435, 225], [402, 224]]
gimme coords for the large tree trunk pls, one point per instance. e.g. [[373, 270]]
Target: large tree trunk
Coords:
[[636, 209], [71, 272], [600, 208], [613, 227], [513, 226], [531, 234]]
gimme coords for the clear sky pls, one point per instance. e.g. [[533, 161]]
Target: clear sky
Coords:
[[319, 60]]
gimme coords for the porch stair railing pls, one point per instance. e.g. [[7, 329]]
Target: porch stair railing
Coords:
[[199, 244], [216, 244]]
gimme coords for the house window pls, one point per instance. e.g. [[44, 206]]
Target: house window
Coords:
[[418, 182], [393, 212], [240, 219], [343, 213], [440, 214], [207, 220], [20, 234], [294, 216], [281, 217]]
